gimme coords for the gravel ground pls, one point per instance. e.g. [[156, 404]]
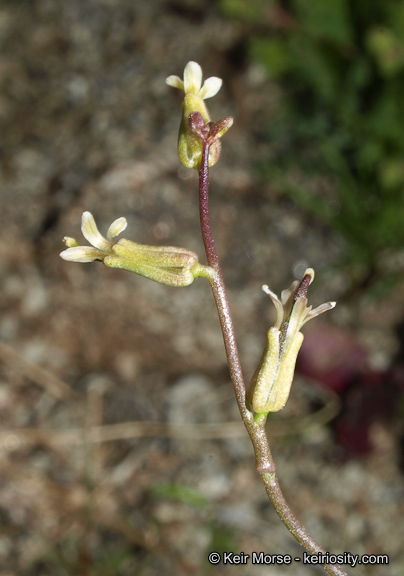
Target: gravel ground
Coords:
[[89, 124]]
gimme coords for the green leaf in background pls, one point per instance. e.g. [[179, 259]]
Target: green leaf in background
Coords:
[[246, 10], [392, 173], [325, 19], [180, 493], [339, 120], [386, 49], [316, 67], [222, 540], [395, 19], [274, 54]]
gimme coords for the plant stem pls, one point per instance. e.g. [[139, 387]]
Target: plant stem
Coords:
[[255, 427], [218, 288]]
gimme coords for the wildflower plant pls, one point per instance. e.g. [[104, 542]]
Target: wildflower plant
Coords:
[[199, 148]]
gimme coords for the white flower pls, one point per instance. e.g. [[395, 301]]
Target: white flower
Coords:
[[165, 264], [102, 247], [271, 383], [192, 82], [189, 143], [292, 311]]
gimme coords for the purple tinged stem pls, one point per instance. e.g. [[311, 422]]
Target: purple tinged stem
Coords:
[[255, 427]]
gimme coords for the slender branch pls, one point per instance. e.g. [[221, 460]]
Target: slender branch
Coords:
[[218, 287], [255, 427], [293, 525]]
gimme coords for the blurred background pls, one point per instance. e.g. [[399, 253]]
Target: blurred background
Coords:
[[112, 387]]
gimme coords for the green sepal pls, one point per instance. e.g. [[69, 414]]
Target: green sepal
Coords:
[[164, 264]]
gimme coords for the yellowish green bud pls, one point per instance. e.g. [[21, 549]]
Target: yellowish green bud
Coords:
[[270, 386], [164, 264]]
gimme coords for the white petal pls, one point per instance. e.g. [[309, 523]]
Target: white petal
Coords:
[[82, 254], [289, 293], [192, 78], [296, 321], [278, 306], [117, 226], [210, 87], [319, 310], [175, 82], [309, 272], [288, 299], [91, 233]]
